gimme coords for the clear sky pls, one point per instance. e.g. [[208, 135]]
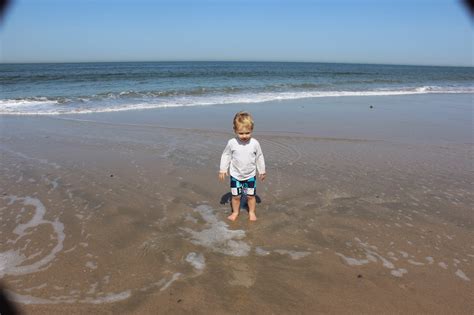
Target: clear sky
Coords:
[[423, 32]]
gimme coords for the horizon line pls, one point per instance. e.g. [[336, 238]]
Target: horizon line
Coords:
[[230, 61]]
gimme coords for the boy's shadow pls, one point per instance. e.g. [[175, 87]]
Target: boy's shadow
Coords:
[[243, 200]]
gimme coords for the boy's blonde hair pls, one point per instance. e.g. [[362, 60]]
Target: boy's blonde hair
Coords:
[[243, 119]]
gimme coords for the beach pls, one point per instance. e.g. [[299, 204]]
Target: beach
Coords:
[[367, 208]]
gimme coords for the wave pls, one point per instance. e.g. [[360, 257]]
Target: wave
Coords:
[[134, 100]]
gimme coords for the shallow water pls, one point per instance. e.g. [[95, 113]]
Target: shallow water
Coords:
[[107, 216]]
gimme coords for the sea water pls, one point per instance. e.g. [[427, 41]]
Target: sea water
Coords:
[[70, 88]]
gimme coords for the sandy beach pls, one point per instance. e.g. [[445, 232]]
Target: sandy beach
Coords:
[[364, 210]]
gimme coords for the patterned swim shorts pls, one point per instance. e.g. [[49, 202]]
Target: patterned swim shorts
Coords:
[[237, 187]]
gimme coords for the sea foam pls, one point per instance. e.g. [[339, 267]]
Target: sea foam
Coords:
[[196, 260], [54, 106], [217, 236], [12, 260]]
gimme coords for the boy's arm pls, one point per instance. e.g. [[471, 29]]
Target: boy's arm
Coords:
[[260, 162], [225, 162]]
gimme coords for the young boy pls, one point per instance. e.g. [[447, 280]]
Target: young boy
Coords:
[[244, 156]]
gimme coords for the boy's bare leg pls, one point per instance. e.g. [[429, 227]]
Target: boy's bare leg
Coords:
[[235, 208], [251, 203]]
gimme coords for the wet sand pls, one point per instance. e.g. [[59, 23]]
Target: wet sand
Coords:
[[363, 210]]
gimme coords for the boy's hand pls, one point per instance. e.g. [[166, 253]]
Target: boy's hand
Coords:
[[222, 175], [262, 176]]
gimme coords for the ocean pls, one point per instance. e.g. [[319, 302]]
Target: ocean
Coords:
[[80, 88]]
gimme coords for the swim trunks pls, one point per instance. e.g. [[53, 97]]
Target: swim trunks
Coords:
[[248, 186]]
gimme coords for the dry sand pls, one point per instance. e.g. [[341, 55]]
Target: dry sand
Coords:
[[102, 215]]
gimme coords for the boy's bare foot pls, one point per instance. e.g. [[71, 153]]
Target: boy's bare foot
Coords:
[[252, 216], [233, 216]]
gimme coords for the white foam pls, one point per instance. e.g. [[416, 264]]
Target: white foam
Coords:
[[218, 237], [443, 265], [430, 259], [11, 261], [28, 299], [398, 272], [49, 107], [54, 183], [353, 261], [38, 287], [404, 254], [373, 256], [293, 254], [416, 263], [109, 298], [10, 258], [153, 285], [191, 218], [462, 275], [261, 252], [174, 277], [196, 260], [91, 265]]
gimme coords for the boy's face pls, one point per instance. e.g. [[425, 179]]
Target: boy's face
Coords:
[[244, 133]]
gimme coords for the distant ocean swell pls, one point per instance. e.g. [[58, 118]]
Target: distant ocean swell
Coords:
[[136, 100]]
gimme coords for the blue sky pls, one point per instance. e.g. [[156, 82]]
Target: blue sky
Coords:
[[429, 32]]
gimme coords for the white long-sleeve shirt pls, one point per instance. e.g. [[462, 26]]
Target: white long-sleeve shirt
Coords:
[[244, 159]]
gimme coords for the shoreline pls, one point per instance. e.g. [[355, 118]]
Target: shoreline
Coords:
[[426, 118]]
